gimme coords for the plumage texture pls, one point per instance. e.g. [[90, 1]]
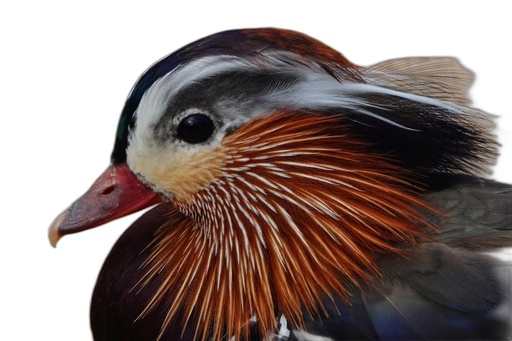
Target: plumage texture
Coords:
[[346, 200], [288, 198], [445, 289]]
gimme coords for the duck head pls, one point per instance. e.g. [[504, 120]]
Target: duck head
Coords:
[[276, 161]]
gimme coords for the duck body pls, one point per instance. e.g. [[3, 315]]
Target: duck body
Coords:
[[299, 197], [448, 282]]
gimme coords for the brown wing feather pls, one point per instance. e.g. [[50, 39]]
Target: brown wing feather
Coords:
[[444, 78]]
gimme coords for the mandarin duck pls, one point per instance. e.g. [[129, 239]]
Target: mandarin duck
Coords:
[[299, 196]]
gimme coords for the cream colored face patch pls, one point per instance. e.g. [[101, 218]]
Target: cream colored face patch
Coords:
[[179, 172]]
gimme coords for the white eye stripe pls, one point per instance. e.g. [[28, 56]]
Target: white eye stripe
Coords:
[[155, 100], [314, 89]]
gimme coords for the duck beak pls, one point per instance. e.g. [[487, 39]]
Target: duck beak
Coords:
[[115, 194]]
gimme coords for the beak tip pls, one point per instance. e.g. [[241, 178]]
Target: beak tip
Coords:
[[54, 233], [116, 193]]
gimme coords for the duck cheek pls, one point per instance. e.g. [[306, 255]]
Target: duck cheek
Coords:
[[116, 193], [179, 174]]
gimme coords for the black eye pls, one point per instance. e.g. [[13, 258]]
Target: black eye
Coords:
[[196, 128]]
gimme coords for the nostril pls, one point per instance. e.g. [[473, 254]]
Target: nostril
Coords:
[[108, 190]]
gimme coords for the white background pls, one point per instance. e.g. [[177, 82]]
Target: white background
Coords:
[[66, 68]]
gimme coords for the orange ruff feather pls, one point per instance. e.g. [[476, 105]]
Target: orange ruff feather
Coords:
[[298, 211]]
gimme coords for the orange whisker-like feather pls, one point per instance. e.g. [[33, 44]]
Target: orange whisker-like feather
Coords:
[[299, 211]]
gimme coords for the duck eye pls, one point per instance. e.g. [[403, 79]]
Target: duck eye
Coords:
[[196, 128]]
